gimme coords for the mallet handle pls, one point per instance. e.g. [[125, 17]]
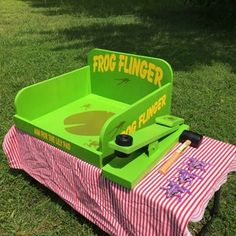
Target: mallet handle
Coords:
[[175, 156]]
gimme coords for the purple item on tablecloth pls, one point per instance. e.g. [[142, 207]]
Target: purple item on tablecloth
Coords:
[[196, 164], [173, 189], [186, 177]]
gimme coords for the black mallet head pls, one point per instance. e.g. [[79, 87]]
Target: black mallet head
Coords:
[[195, 138]]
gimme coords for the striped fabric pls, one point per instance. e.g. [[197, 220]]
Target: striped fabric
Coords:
[[145, 210]]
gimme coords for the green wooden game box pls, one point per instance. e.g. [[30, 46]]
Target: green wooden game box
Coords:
[[82, 112]]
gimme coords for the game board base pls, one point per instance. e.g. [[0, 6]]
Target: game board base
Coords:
[[80, 122], [75, 127]]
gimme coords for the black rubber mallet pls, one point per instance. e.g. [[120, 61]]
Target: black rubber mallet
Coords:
[[188, 138]]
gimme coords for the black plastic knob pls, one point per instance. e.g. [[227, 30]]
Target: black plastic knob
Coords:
[[124, 140]]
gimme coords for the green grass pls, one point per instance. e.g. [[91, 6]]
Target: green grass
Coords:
[[41, 39]]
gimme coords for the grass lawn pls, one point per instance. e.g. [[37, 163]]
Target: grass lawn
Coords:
[[41, 38]]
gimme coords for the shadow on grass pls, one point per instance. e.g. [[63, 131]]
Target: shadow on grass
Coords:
[[182, 35], [57, 200]]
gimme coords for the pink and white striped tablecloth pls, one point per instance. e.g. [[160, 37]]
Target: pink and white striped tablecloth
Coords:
[[145, 210]]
